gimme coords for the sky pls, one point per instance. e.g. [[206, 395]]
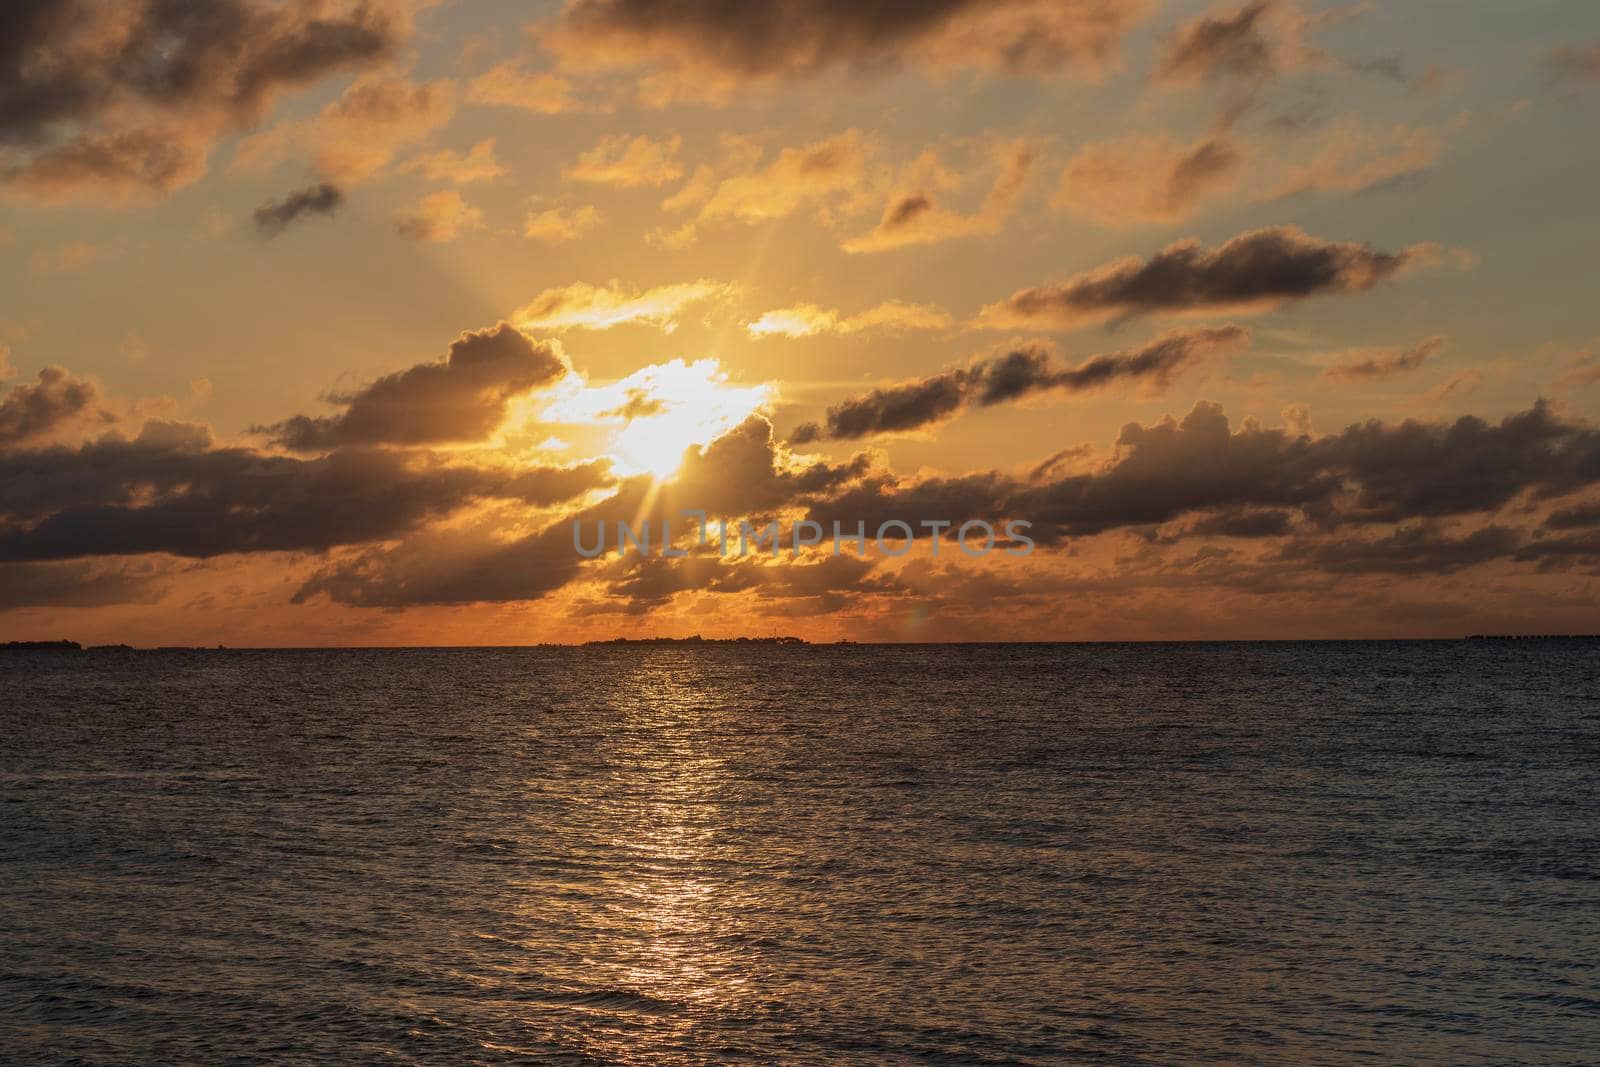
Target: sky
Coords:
[[323, 323]]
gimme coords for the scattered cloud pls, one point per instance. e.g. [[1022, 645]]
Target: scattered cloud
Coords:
[[805, 320], [591, 307], [511, 85], [1252, 273], [359, 134], [705, 50], [1217, 47], [109, 108], [439, 217], [1391, 67], [558, 225], [1377, 364], [1142, 179], [915, 217], [274, 217], [1023, 371], [478, 165], [796, 177], [1153, 180], [1239, 52], [1458, 385], [628, 163], [1352, 157]]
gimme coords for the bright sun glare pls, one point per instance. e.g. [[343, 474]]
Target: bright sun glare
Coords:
[[663, 410]]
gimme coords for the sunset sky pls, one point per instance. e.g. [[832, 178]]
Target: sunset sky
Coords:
[[320, 322]]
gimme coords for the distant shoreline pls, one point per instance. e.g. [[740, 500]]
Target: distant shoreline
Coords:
[[745, 642]]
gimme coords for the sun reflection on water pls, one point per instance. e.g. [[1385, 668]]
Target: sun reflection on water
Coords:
[[663, 952]]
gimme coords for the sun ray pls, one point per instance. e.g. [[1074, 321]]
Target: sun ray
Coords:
[[661, 411]]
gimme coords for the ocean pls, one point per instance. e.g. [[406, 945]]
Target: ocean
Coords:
[[1313, 853]]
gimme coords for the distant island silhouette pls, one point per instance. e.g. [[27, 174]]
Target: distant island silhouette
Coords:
[[73, 646], [698, 640], [692, 641]]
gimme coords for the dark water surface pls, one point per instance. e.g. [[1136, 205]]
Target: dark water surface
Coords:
[[1295, 853]]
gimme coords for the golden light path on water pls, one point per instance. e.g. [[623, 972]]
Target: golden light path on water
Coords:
[[661, 946], [675, 813]]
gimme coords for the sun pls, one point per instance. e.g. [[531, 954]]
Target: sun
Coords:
[[663, 410]]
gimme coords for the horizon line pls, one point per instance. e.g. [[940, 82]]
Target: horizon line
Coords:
[[67, 645]]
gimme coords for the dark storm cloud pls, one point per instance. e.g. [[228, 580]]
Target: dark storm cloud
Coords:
[[1372, 473], [1219, 46], [1153, 365], [907, 406], [1561, 553], [1243, 524], [641, 582], [706, 47], [80, 585], [782, 35], [1574, 517], [1253, 272], [1023, 371], [1175, 467], [879, 498], [1030, 369], [449, 568], [274, 217], [734, 476], [32, 410], [462, 398], [1319, 496], [1373, 499], [1433, 469], [113, 97], [169, 491], [737, 475], [741, 474], [1386, 364], [1419, 548]]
